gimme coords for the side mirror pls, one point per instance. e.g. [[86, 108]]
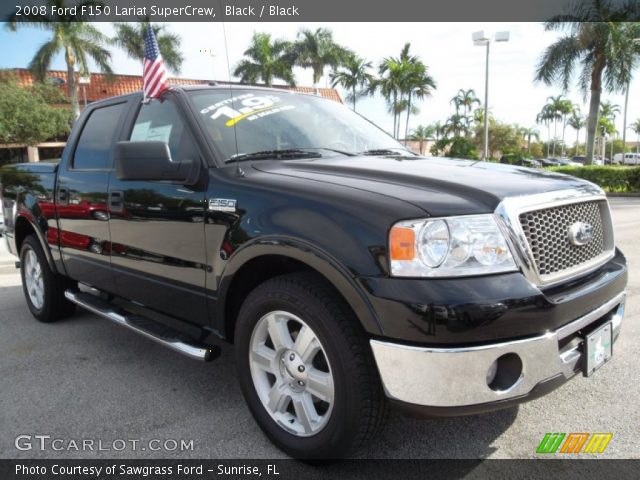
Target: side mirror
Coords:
[[151, 161]]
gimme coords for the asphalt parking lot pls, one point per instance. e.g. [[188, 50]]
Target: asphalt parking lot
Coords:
[[85, 378]]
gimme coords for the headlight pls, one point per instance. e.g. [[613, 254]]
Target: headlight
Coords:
[[449, 247]]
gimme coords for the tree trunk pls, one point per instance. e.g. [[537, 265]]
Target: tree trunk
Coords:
[[394, 107], [555, 135], [577, 140], [611, 157], [564, 128], [421, 146], [594, 107], [548, 138], [71, 82], [406, 128], [354, 98], [317, 75]]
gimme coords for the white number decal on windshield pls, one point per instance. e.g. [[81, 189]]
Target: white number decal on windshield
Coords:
[[252, 107]]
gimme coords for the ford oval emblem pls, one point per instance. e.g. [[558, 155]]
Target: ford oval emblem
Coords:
[[580, 233]]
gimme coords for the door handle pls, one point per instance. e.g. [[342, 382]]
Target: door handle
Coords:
[[63, 196], [116, 201]]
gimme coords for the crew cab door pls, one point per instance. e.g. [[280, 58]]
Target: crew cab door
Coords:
[[157, 230], [81, 196]]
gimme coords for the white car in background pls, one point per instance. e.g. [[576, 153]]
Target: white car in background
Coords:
[[629, 158]]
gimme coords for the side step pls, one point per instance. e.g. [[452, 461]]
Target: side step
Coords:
[[161, 334]]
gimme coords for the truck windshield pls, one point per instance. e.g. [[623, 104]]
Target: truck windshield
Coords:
[[267, 123]]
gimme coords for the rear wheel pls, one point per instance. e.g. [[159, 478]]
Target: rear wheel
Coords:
[[306, 368], [43, 288]]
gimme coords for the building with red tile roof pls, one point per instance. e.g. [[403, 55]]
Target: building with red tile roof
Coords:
[[100, 86]]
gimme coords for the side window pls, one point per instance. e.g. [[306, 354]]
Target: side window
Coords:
[[94, 144], [161, 121]]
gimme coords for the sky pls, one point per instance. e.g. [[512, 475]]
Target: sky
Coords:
[[446, 48]]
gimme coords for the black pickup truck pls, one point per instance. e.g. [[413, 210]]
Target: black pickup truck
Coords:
[[349, 273]]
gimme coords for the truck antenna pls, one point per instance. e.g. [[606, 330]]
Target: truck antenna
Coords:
[[239, 171]]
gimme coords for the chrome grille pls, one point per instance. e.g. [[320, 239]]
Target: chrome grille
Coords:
[[546, 231]]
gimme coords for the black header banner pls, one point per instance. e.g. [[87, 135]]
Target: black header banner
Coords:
[[297, 10]]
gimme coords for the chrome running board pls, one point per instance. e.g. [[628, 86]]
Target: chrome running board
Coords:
[[146, 327]]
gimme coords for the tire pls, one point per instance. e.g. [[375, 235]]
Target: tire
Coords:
[[43, 289], [350, 407]]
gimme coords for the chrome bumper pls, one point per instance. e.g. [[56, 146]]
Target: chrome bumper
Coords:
[[457, 377]]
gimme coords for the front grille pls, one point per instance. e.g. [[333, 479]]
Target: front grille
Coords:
[[547, 232]]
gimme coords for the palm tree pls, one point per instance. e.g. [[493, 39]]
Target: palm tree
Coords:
[[465, 99], [607, 123], [421, 134], [391, 73], [130, 38], [558, 110], [563, 108], [438, 129], [545, 117], [317, 50], [598, 43], [418, 84], [456, 123], [632, 56], [353, 77], [577, 122], [266, 60], [528, 134], [80, 42], [401, 79]]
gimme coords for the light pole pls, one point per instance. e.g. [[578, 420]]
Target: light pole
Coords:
[[480, 39], [84, 80]]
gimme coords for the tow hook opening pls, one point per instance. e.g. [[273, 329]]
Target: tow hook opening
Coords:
[[504, 372]]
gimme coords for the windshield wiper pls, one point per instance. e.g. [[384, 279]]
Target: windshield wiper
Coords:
[[383, 151], [334, 150], [273, 154]]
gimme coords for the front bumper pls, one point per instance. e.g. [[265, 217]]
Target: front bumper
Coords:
[[453, 381]]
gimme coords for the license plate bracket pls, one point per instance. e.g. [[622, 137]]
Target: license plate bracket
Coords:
[[597, 348]]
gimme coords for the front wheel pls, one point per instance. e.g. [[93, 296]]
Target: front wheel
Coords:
[[306, 369]]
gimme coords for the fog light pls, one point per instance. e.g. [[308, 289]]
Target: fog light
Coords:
[[491, 373], [507, 373]]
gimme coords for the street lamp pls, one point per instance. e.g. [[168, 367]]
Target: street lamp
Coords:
[[479, 40], [84, 80]]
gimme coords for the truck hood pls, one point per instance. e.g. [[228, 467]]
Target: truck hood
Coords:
[[437, 185]]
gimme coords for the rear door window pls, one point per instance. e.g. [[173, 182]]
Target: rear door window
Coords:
[[96, 140]]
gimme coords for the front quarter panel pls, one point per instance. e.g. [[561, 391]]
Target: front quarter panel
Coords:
[[339, 231]]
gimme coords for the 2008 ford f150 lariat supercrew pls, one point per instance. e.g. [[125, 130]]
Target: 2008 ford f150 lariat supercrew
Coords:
[[349, 273]]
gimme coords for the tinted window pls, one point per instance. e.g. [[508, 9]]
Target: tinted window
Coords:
[[161, 121], [94, 145]]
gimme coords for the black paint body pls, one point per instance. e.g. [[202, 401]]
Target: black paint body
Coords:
[[158, 244]]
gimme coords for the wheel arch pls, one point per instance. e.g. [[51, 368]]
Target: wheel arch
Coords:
[[25, 226], [266, 259]]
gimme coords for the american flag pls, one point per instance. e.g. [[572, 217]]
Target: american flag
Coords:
[[154, 76]]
